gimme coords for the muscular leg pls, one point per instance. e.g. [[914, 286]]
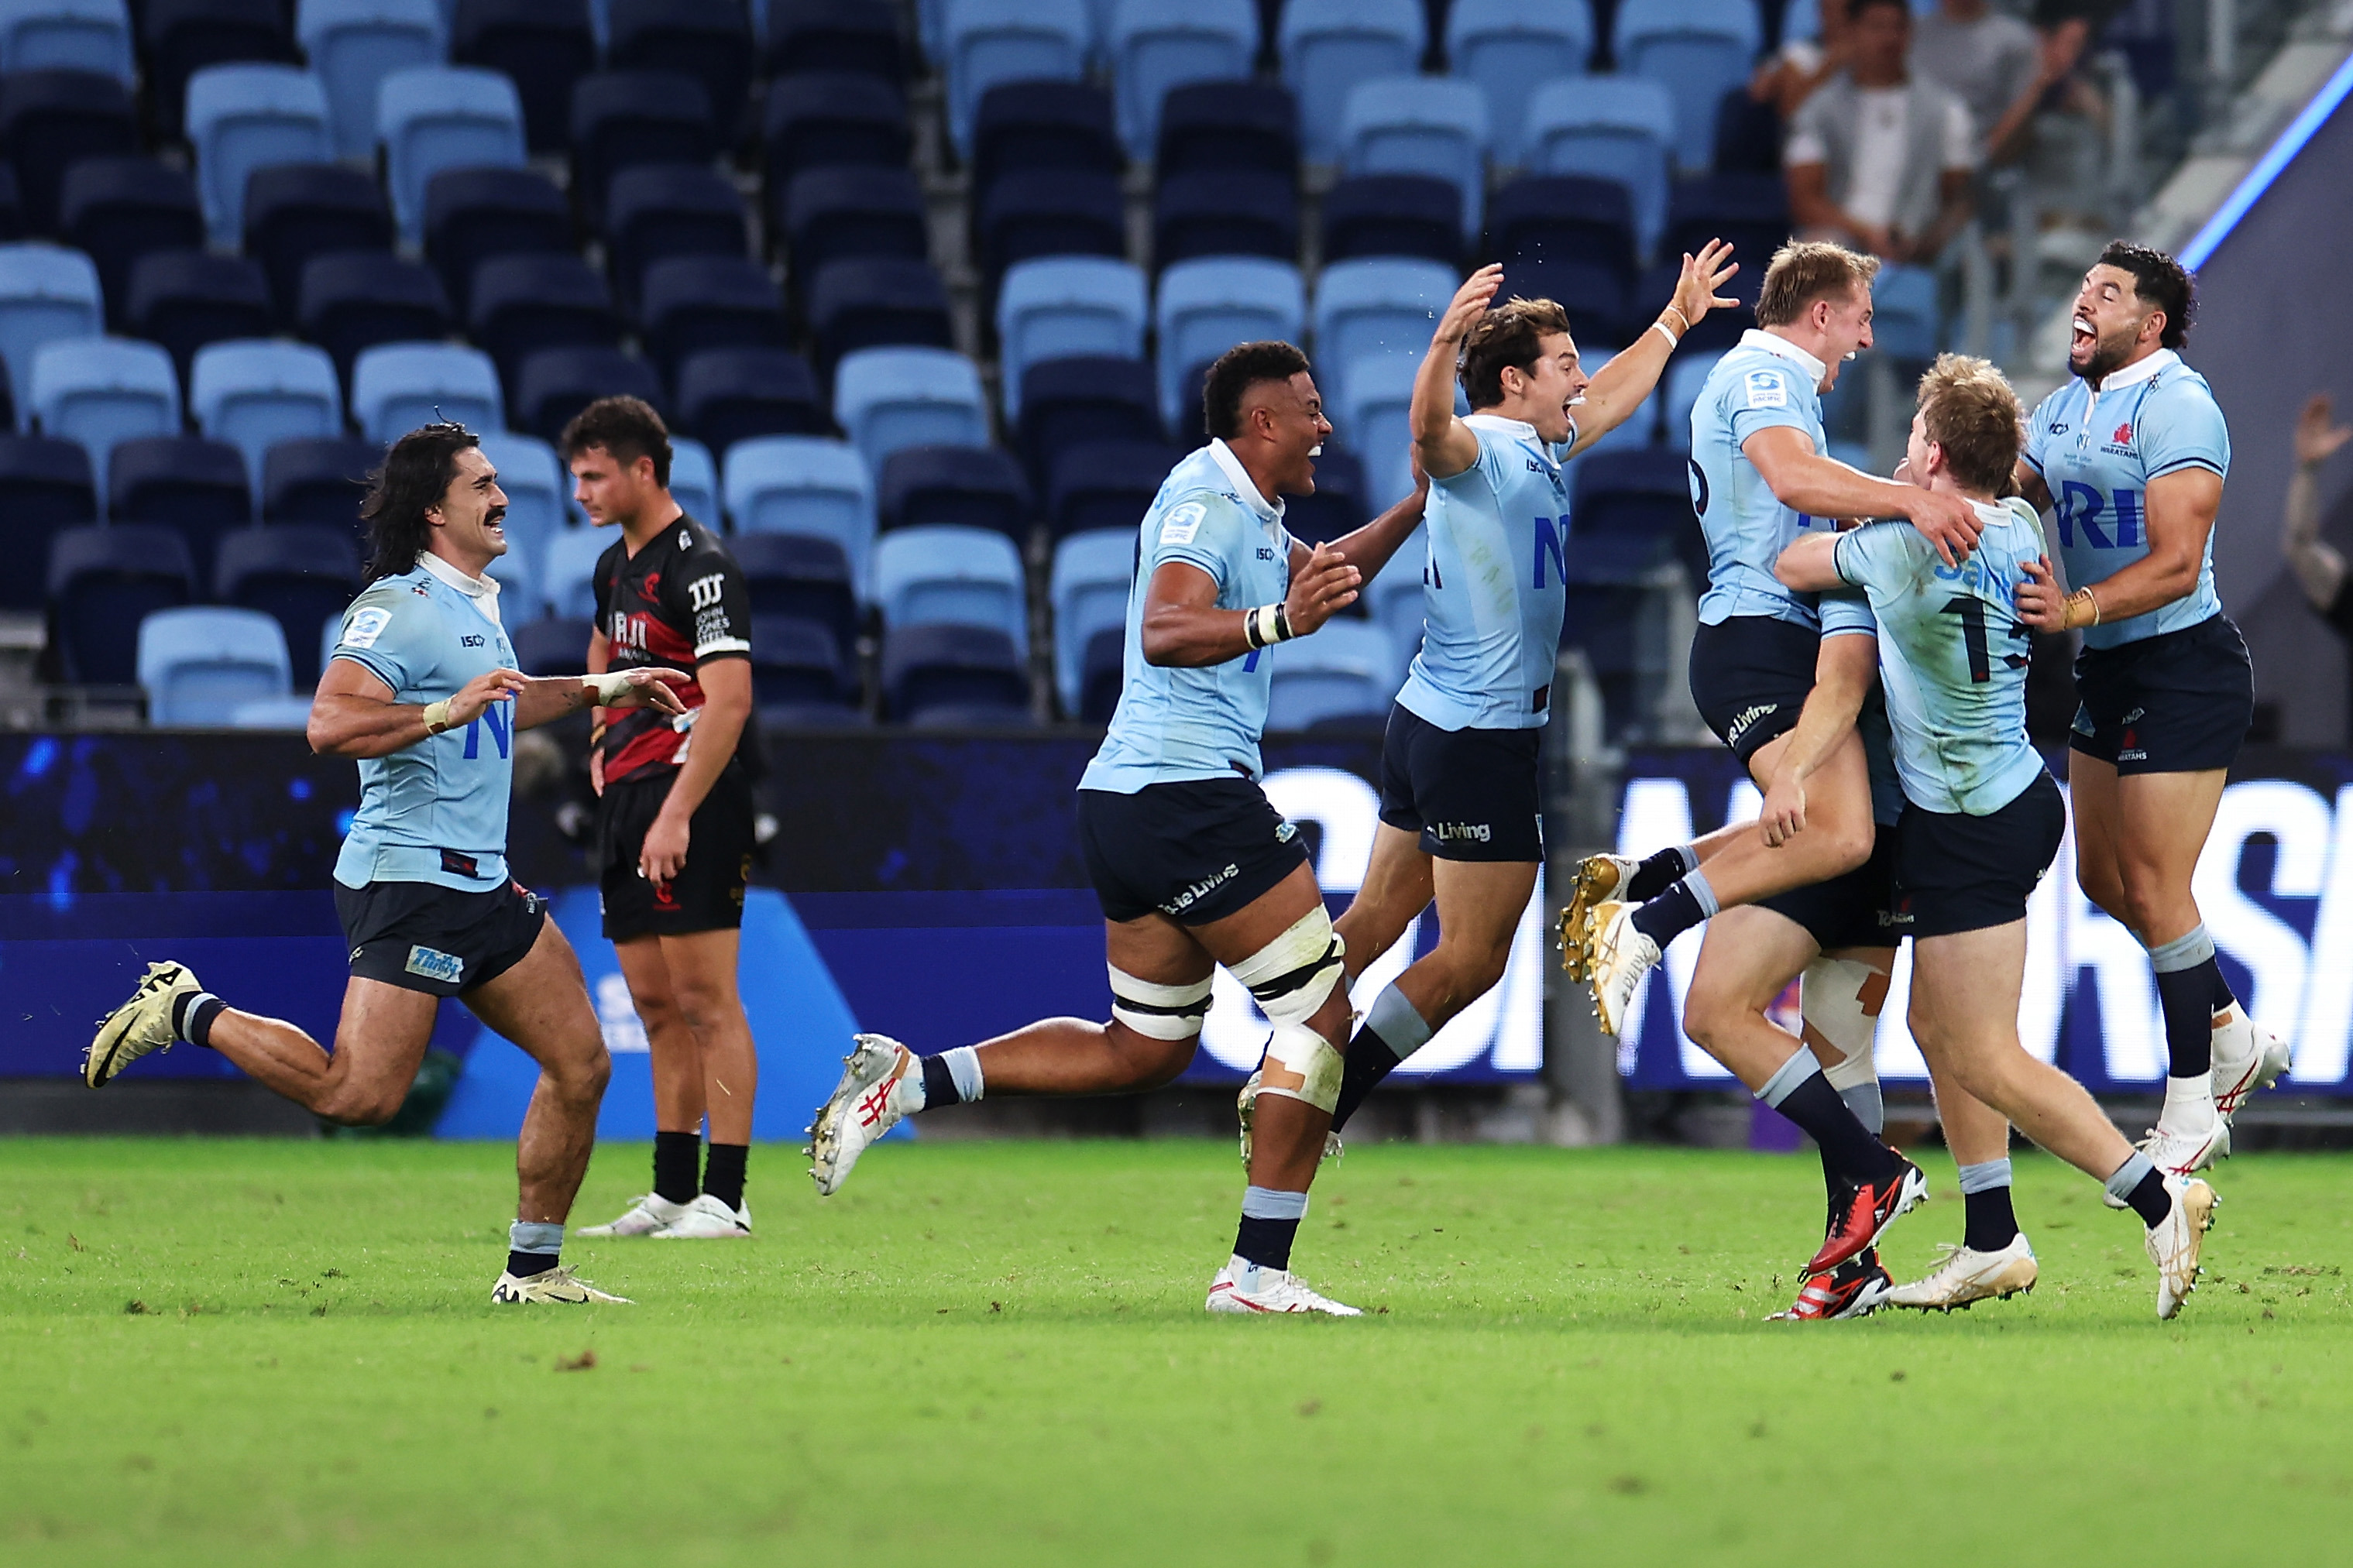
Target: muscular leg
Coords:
[[701, 967], [541, 1004], [1397, 886], [379, 1042], [1074, 1055], [676, 1057]]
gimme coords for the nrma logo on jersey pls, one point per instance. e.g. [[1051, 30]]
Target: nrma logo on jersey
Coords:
[[2275, 885]]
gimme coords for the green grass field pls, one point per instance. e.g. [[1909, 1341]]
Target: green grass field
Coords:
[[260, 1352]]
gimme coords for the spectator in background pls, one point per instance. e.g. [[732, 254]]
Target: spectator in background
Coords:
[[1877, 160], [1790, 75], [1991, 60], [2319, 565]]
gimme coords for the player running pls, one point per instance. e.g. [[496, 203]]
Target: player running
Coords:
[[2130, 458], [674, 814], [1192, 866], [1984, 820], [422, 688]]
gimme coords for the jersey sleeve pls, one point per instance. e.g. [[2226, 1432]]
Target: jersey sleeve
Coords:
[[383, 633], [1848, 614], [2038, 434], [2182, 427], [609, 567], [1203, 531], [1882, 555], [1764, 396], [706, 596]]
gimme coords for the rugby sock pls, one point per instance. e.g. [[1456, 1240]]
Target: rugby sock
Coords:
[[2188, 978], [193, 1015], [675, 1157], [722, 1174], [2142, 1187], [952, 1078], [1677, 911], [532, 1248], [1270, 1222], [1660, 871], [1985, 1197], [1800, 1092], [1391, 1032]]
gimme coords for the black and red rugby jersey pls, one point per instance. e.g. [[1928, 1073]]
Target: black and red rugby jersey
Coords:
[[680, 602]]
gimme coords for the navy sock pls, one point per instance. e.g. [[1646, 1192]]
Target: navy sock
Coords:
[[1990, 1223], [523, 1265], [2223, 996], [193, 1015], [722, 1174], [1852, 1151], [1370, 1060], [2150, 1200], [1671, 913], [676, 1154], [1265, 1242], [1659, 872], [939, 1084], [2188, 997]]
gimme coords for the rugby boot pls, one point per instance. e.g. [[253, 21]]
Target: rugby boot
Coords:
[[708, 1219], [2174, 1241], [882, 1084], [1621, 956], [647, 1214], [1964, 1276], [1246, 1109], [2247, 1058], [1599, 879], [558, 1284], [1855, 1288], [141, 1025], [1242, 1287], [1867, 1212], [2190, 1134]]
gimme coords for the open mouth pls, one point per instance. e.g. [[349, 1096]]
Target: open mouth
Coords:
[[2083, 331]]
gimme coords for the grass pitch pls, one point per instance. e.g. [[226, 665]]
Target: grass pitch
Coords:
[[261, 1352]]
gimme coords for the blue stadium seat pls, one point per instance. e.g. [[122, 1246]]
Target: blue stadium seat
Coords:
[[843, 210], [296, 211], [1510, 47], [50, 120], [520, 599], [658, 210], [1329, 46], [317, 481], [472, 215], [959, 674], [1241, 211], [98, 391], [544, 46], [1101, 674], [798, 575], [256, 393], [709, 40], [48, 484], [1905, 324], [1063, 306], [554, 384], [1613, 128], [1029, 213], [731, 394], [102, 579], [886, 398], [803, 484], [694, 482], [351, 301], [66, 35], [687, 304], [431, 117], [1419, 125], [1061, 125], [964, 487], [1105, 484], [245, 117], [1393, 215], [1069, 403], [991, 41], [1640, 429], [397, 387], [1339, 505], [194, 487], [1394, 598], [301, 577], [841, 36], [1207, 306], [1698, 50], [1213, 127], [47, 293], [1377, 304], [551, 647], [797, 665], [117, 209], [1750, 210], [526, 302], [1686, 373], [200, 662], [939, 575], [1633, 514], [1156, 44], [353, 45], [184, 300], [184, 38], [1092, 574], [831, 120], [1347, 670], [537, 489], [876, 302], [1371, 417], [625, 117], [567, 577]]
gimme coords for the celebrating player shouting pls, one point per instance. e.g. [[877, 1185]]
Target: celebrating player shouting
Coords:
[[1193, 867]]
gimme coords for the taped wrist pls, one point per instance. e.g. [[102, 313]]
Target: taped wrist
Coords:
[[1266, 625], [606, 690], [1158, 1012], [436, 717]]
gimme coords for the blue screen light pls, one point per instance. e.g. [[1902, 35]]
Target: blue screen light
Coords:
[[2269, 167]]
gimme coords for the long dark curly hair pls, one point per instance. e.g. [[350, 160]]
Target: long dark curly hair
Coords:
[[416, 475]]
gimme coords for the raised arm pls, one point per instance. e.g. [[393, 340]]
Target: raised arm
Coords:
[[1184, 628], [1619, 386], [1443, 442], [1806, 480], [2319, 566], [1368, 548]]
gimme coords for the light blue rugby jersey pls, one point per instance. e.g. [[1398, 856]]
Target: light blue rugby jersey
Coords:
[[1493, 585], [1763, 382], [2099, 450], [1952, 656], [425, 634], [1201, 724], [1848, 614]]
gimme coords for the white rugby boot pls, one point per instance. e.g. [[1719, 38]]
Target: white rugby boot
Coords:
[[881, 1083], [1964, 1276], [1621, 956], [1243, 1286], [708, 1219], [2174, 1242], [1246, 1110], [2247, 1058], [558, 1284], [2191, 1133], [141, 1025], [648, 1213], [1599, 879]]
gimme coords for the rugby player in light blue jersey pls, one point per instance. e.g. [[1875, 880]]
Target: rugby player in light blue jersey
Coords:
[[1192, 867], [1983, 819], [422, 688], [2130, 457]]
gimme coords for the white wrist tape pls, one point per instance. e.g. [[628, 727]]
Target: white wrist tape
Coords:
[[607, 689], [1667, 332]]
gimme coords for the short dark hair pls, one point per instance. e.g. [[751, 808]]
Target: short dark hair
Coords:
[[2160, 280], [627, 427], [1513, 335], [1233, 373], [416, 475]]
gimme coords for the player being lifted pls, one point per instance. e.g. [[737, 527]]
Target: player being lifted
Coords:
[[2130, 457], [422, 688], [1983, 819], [1192, 866]]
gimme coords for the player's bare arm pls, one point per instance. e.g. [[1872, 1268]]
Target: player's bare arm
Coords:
[[1619, 387], [1819, 486], [1843, 674], [354, 714], [1184, 628], [718, 726], [1442, 443], [1369, 548], [2180, 508], [2319, 565]]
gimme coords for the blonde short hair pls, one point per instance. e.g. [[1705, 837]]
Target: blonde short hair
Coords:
[[1971, 410], [1804, 271]]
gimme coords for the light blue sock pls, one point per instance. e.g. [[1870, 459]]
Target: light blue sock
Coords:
[[1392, 1017], [1265, 1202], [1985, 1176], [1792, 1075], [538, 1237]]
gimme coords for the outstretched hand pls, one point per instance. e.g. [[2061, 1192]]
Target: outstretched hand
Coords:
[[2318, 435], [644, 687], [1321, 589], [1471, 302], [1697, 290]]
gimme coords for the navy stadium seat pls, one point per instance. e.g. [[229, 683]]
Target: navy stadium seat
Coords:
[[797, 663], [50, 120], [1046, 125], [731, 394], [104, 580], [194, 486], [554, 384], [1601, 309], [542, 46], [12, 207], [1567, 216], [937, 666], [48, 484], [654, 210], [1047, 212], [861, 37], [551, 647], [296, 211], [317, 481], [301, 577], [1068, 402], [528, 302], [1239, 212], [709, 40], [972, 487], [872, 301], [1750, 210], [186, 299], [831, 119], [1747, 135], [824, 215], [1106, 484], [1101, 673], [1338, 506], [1633, 514], [625, 117], [117, 209], [798, 575], [1393, 215], [355, 300], [471, 215], [1216, 126], [687, 304], [183, 36]]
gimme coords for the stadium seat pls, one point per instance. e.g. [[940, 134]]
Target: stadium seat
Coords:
[[48, 484], [538, 490], [1613, 128], [687, 304], [12, 211], [1101, 674], [845, 210], [1372, 418], [1063, 306], [194, 487], [246, 117], [554, 384], [1106, 484], [47, 292], [1393, 215], [397, 387], [1639, 430], [832, 120], [472, 215], [1698, 50], [184, 300], [256, 393], [731, 394], [1346, 670], [66, 35], [1510, 47], [1207, 306], [1419, 125], [965, 487], [351, 301], [353, 45], [694, 482], [625, 117], [199, 662], [118, 209], [798, 575], [1750, 211], [431, 117], [992, 41], [102, 579], [1904, 322], [50, 120], [1241, 211], [1030, 212], [1329, 46], [1632, 513], [1059, 125], [527, 303], [296, 211], [796, 664], [1394, 598], [182, 39], [1748, 135], [658, 210], [887, 398], [803, 484], [551, 647], [840, 36], [317, 481], [1338, 507], [544, 46], [1156, 44], [1376, 305], [1564, 218], [1069, 403], [876, 302], [709, 40], [299, 577], [99, 390], [1093, 575], [567, 576], [952, 670], [1686, 373], [1214, 127]]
